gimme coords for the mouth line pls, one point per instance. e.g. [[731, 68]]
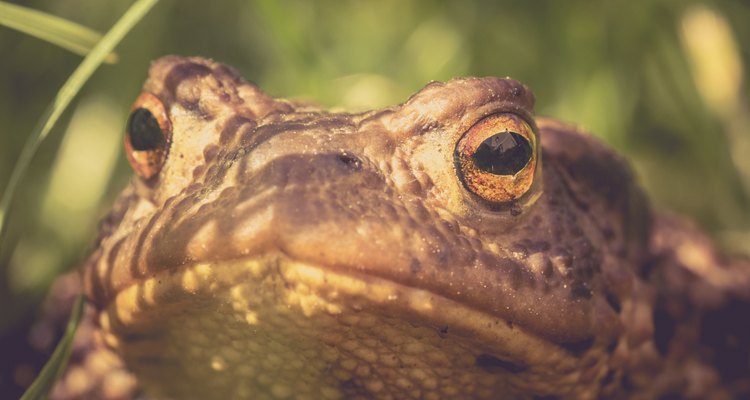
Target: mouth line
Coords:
[[312, 290]]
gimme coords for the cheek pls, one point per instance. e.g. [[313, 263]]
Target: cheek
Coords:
[[194, 147], [431, 163]]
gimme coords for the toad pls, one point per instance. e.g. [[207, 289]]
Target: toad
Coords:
[[452, 247]]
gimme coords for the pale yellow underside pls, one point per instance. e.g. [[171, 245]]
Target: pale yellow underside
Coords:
[[273, 328]]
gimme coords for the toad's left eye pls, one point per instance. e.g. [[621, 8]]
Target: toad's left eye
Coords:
[[497, 157]]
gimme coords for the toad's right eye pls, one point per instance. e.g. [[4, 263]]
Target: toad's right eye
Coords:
[[148, 135]]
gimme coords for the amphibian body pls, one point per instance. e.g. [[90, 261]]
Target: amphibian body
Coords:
[[452, 247]]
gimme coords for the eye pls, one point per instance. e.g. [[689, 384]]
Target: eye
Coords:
[[497, 157], [148, 135]]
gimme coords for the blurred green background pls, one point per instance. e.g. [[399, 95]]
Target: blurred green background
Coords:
[[662, 81]]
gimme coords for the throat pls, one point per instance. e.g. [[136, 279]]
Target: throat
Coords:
[[274, 328]]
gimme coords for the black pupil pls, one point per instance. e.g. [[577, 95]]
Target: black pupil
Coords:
[[503, 153], [145, 132]]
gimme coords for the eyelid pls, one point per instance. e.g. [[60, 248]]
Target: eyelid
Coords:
[[497, 123]]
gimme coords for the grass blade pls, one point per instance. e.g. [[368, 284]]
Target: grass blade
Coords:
[[62, 32], [66, 94], [56, 364]]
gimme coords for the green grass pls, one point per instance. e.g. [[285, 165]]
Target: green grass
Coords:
[[59, 31], [80, 40], [65, 95], [59, 359]]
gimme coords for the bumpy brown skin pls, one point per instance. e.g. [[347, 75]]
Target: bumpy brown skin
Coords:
[[617, 302]]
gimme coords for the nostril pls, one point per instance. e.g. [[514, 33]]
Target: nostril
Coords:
[[350, 161]]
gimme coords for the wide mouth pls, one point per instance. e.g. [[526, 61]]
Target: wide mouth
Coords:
[[311, 291]]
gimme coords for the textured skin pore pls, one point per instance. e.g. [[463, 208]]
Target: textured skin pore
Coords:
[[288, 252]]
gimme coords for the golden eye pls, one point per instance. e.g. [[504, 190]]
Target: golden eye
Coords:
[[497, 157], [148, 135]]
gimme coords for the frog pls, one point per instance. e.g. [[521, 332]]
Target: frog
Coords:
[[455, 246]]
